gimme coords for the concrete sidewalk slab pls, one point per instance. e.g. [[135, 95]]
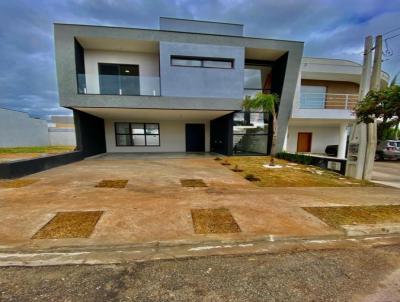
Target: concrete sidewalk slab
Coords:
[[154, 207]]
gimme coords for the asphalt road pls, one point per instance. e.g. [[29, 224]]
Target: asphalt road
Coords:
[[387, 173], [337, 275]]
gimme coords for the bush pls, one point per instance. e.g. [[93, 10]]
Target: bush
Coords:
[[295, 157]]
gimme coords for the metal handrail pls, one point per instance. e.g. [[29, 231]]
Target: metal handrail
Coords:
[[314, 100]]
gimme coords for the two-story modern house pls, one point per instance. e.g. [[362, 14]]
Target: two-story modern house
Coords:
[[176, 89], [180, 89]]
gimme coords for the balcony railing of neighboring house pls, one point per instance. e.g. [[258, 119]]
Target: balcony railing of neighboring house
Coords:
[[253, 91], [118, 85], [328, 101]]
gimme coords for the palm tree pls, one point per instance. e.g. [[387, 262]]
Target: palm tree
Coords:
[[267, 103]]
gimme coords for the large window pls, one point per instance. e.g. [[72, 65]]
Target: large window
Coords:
[[202, 62], [250, 133], [119, 79], [137, 134]]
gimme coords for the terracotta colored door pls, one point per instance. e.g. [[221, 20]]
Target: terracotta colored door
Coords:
[[304, 141]]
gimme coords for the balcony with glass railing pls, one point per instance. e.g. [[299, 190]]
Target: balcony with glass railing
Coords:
[[327, 101], [118, 85]]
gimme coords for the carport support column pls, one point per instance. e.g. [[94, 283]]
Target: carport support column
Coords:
[[342, 141]]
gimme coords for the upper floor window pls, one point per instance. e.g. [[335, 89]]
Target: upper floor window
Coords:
[[119, 79], [202, 62]]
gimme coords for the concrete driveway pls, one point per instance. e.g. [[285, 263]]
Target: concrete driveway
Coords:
[[387, 173], [154, 207]]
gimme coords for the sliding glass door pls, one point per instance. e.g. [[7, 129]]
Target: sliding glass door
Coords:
[[119, 79]]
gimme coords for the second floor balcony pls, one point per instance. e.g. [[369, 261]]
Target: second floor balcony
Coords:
[[130, 85], [327, 101], [325, 106]]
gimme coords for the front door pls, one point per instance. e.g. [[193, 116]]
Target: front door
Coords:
[[304, 141], [195, 138]]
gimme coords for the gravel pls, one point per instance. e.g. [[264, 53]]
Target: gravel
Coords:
[[333, 275]]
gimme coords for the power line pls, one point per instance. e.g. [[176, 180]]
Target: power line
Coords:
[[392, 37], [390, 31]]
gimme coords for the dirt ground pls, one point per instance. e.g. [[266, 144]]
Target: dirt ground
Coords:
[[154, 207], [371, 275]]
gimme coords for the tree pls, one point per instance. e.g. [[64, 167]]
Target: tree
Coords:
[[382, 104], [267, 103]]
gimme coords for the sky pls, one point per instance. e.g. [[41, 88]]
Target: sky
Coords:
[[329, 29]]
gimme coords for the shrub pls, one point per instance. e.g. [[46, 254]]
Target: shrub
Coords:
[[295, 157], [251, 177]]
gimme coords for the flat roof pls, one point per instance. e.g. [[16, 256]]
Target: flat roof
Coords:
[[173, 31]]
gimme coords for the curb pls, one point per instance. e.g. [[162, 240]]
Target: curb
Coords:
[[117, 254]]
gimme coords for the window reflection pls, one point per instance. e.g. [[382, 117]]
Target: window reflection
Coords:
[[250, 133]]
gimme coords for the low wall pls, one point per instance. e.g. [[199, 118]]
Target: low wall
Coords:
[[62, 136], [335, 164], [25, 167], [325, 162]]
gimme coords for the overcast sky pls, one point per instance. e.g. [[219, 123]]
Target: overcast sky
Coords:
[[329, 28]]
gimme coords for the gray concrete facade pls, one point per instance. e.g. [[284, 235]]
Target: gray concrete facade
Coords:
[[185, 81], [215, 90], [18, 129]]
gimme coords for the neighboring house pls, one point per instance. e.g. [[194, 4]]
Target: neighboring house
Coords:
[[322, 110], [62, 130], [18, 129], [180, 89]]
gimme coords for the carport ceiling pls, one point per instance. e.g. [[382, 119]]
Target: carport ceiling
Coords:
[[154, 114]]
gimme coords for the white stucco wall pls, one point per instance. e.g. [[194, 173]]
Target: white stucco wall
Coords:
[[62, 136], [172, 137], [148, 68], [321, 137], [18, 129]]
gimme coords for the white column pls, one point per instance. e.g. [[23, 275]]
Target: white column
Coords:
[[342, 141]]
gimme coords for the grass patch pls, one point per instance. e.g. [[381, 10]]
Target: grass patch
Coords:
[[112, 183], [193, 183], [291, 175], [69, 225], [37, 149], [338, 216], [212, 221], [17, 183]]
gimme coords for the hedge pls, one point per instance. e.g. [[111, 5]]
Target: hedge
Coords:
[[295, 157]]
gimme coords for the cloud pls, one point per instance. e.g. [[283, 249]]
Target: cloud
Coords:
[[329, 28]]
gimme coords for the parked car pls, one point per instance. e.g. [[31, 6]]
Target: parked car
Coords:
[[388, 149]]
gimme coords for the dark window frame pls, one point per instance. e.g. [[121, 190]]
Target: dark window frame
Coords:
[[130, 134], [202, 60], [119, 77]]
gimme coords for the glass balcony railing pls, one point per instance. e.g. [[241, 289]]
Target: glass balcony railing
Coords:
[[118, 85], [327, 101]]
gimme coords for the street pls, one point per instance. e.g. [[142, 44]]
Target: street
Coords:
[[387, 173], [371, 274]]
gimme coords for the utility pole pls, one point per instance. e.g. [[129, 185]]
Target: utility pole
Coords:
[[366, 69], [372, 127], [377, 68], [358, 135]]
